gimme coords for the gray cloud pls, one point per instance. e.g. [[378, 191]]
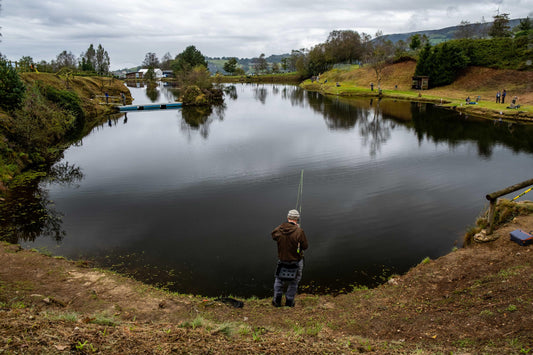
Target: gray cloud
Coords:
[[130, 29]]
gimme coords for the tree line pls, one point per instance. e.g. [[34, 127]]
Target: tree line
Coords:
[[91, 61]]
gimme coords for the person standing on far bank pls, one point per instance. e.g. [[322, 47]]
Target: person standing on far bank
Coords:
[[291, 242]]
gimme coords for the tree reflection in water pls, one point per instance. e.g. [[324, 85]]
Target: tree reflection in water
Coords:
[[231, 92], [152, 91], [28, 213], [260, 94], [199, 118]]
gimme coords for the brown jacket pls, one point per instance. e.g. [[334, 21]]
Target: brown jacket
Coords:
[[289, 235]]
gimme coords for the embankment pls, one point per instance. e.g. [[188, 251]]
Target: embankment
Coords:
[[55, 110], [473, 82]]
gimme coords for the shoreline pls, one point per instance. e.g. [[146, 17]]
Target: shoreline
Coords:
[[480, 109], [474, 299]]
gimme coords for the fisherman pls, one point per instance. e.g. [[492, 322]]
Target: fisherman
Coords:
[[292, 242]]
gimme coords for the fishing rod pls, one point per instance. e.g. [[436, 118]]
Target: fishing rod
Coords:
[[522, 194], [299, 200], [299, 197]]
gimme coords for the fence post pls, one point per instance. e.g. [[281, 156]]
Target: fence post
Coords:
[[493, 198], [492, 210]]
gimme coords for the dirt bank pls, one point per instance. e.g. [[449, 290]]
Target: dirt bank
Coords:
[[472, 82], [474, 300]]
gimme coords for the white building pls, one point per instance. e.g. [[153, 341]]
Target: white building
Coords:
[[142, 72]]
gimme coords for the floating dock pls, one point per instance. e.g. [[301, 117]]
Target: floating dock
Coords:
[[150, 106]]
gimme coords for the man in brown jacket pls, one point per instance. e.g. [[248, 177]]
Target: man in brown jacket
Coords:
[[292, 242]]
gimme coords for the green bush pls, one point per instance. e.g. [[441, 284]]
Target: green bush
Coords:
[[11, 87], [443, 62], [66, 100], [39, 122]]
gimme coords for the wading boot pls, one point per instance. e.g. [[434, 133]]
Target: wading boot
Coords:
[[289, 303], [276, 302]]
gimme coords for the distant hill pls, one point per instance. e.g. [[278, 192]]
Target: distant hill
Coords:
[[447, 33], [216, 64]]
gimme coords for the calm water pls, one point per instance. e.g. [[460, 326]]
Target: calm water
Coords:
[[188, 200]]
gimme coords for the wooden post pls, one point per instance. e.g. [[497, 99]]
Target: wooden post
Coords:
[[492, 209], [493, 198]]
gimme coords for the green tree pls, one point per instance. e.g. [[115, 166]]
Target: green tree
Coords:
[[188, 59], [344, 46], [525, 24], [151, 61], [415, 42], [239, 71], [400, 49], [198, 76], [150, 74], [166, 61], [88, 59], [423, 65], [260, 64], [500, 26], [442, 63], [65, 60], [11, 87], [318, 60], [525, 28], [26, 63], [380, 55], [285, 63], [102, 61], [230, 65]]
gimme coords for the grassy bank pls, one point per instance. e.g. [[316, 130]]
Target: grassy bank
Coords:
[[473, 82], [55, 110]]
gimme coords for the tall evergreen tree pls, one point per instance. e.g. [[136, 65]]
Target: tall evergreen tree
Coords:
[[423, 64], [11, 87], [500, 26], [102, 61], [88, 59]]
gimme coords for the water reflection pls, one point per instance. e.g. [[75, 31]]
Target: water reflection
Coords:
[[260, 93], [295, 95], [28, 213], [200, 118], [231, 92], [152, 91], [443, 127]]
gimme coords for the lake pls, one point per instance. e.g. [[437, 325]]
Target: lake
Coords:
[[186, 199]]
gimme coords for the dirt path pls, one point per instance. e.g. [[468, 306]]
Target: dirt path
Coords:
[[477, 299]]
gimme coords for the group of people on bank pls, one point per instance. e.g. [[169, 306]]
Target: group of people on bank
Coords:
[[500, 98]]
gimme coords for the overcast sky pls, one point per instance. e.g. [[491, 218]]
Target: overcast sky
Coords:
[[129, 29]]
